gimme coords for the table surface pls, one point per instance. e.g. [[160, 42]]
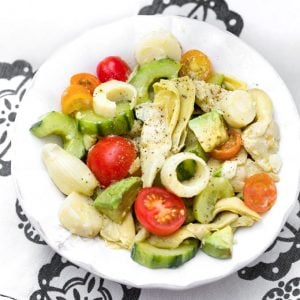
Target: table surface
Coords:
[[29, 32]]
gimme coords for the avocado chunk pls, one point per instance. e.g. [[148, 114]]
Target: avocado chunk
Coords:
[[204, 204], [210, 130], [57, 123], [187, 168], [219, 243], [148, 73], [156, 258], [91, 123], [196, 148], [116, 200]]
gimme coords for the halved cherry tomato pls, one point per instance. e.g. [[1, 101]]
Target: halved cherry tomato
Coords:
[[159, 211], [89, 81], [260, 192], [196, 65], [230, 148], [111, 158], [113, 67], [76, 97]]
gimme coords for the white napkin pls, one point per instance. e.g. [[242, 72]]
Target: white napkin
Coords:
[[30, 31]]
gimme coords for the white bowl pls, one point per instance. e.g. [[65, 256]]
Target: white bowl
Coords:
[[40, 198]]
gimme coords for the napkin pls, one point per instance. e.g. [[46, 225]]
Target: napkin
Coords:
[[32, 30]]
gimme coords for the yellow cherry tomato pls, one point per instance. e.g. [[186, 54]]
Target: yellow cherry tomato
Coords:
[[196, 65], [76, 97], [87, 80]]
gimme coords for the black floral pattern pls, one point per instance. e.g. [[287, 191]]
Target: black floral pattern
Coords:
[[285, 291], [18, 76], [30, 233], [83, 286], [130, 293], [277, 269], [198, 9]]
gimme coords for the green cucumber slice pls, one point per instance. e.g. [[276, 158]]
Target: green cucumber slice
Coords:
[[57, 123], [91, 123], [156, 258], [144, 76]]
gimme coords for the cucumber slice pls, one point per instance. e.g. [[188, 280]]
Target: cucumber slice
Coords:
[[64, 126], [156, 258], [91, 123], [145, 75]]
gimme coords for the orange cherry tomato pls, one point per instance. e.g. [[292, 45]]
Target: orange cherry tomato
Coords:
[[260, 192], [230, 148], [159, 211], [89, 81], [196, 65], [76, 97]]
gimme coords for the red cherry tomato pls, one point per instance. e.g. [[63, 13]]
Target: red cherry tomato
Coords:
[[111, 158], [159, 211], [113, 67]]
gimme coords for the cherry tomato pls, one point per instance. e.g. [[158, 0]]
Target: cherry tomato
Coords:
[[159, 211], [89, 81], [113, 67], [196, 65], [260, 192], [76, 97], [111, 158], [230, 148]]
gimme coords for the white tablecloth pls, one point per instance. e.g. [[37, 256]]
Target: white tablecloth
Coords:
[[29, 32]]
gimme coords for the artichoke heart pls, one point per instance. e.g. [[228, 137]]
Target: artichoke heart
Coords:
[[156, 136], [78, 215], [261, 139], [186, 89], [120, 234], [236, 205], [167, 98], [198, 231], [243, 221]]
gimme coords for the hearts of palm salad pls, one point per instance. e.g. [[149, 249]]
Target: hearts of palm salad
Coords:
[[165, 159]]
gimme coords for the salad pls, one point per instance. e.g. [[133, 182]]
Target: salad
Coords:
[[167, 159]]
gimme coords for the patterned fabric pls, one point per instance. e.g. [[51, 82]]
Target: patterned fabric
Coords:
[[60, 279]]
